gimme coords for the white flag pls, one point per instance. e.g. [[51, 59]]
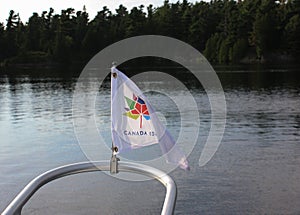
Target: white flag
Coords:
[[135, 123]]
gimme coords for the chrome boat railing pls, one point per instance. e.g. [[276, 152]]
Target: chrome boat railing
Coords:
[[15, 207]]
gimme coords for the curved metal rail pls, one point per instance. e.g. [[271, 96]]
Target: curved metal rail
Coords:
[[15, 207]]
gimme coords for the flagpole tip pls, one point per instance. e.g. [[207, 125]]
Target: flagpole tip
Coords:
[[114, 64], [113, 69]]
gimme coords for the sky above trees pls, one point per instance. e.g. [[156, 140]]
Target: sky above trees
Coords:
[[28, 7]]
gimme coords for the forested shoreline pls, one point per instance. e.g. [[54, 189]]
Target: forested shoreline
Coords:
[[225, 31]]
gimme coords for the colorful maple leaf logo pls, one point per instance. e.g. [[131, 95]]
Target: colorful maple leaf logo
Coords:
[[137, 108]]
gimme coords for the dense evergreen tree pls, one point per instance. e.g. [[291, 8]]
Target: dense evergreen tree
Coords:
[[35, 31], [2, 54], [10, 39], [136, 22], [203, 24]]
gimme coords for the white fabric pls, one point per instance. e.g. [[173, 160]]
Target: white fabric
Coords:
[[135, 123]]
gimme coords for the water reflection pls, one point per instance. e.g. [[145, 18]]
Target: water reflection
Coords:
[[256, 169]]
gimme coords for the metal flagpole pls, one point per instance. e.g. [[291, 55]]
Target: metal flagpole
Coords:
[[114, 159]]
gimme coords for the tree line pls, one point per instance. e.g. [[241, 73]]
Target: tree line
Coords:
[[225, 31]]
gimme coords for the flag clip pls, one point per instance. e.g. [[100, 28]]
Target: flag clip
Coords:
[[114, 168]]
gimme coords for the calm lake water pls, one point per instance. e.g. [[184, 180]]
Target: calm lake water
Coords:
[[256, 169]]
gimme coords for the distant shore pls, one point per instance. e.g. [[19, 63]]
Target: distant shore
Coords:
[[19, 65]]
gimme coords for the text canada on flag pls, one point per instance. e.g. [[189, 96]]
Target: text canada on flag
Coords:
[[135, 123]]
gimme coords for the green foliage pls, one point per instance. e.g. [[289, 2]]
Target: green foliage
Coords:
[[10, 38], [223, 29], [2, 56], [12, 21], [203, 24], [223, 56], [136, 22], [212, 48], [35, 30], [292, 32], [238, 50]]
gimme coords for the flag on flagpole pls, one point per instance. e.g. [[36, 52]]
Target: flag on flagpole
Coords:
[[135, 123]]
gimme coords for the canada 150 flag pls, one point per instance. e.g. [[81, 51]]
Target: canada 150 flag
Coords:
[[135, 123]]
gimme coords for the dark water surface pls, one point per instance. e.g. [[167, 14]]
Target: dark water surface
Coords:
[[256, 169]]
